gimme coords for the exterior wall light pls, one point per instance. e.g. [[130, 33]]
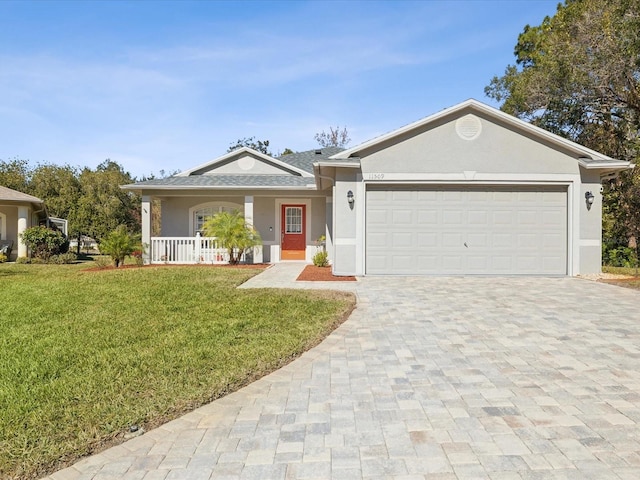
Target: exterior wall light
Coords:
[[589, 198], [350, 198]]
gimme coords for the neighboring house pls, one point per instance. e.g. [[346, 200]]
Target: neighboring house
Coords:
[[87, 243], [18, 211], [469, 190]]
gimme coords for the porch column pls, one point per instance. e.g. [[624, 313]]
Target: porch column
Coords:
[[328, 243], [146, 229], [248, 218], [23, 224]]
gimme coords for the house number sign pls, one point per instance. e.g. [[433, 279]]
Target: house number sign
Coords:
[[376, 176]]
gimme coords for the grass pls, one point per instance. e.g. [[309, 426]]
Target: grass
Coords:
[[86, 354], [628, 283], [621, 270]]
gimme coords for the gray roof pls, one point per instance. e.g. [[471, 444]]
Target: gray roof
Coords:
[[226, 181], [8, 194], [301, 160], [305, 160]]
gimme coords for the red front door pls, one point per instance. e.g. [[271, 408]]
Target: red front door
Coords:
[[294, 241]]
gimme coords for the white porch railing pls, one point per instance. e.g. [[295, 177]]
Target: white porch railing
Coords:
[[184, 250]]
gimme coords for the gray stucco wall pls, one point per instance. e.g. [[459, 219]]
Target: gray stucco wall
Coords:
[[441, 150], [264, 217], [175, 212], [590, 224], [346, 236], [318, 219], [246, 165], [11, 226]]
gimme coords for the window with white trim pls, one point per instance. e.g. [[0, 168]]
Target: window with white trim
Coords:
[[293, 220], [201, 215]]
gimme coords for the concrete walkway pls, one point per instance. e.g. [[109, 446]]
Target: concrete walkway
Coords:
[[439, 378]]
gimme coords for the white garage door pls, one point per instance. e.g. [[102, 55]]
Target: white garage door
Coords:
[[474, 230]]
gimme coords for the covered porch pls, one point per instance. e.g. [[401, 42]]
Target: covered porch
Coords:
[[18, 211], [172, 226], [189, 250]]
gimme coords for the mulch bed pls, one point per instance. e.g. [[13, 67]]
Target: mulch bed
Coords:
[[311, 273]]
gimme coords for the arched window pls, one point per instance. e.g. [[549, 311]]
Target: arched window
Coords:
[[200, 213]]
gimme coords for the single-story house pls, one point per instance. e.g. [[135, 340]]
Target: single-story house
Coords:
[[468, 190], [18, 211]]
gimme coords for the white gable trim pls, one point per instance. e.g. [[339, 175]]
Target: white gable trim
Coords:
[[518, 124], [224, 158]]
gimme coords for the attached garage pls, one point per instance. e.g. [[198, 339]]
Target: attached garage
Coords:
[[443, 230], [469, 190]]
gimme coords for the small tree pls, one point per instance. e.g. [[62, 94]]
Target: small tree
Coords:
[[44, 242], [251, 142], [335, 137], [233, 234], [119, 244]]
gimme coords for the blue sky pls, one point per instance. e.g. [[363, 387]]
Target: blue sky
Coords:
[[170, 85]]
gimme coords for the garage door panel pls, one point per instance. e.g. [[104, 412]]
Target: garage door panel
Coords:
[[401, 240], [475, 240], [452, 217], [528, 263], [507, 230], [528, 241], [377, 216], [402, 217], [428, 195], [402, 262], [478, 263], [477, 217], [550, 240], [502, 217], [427, 240], [402, 196], [452, 264], [452, 239], [377, 240], [502, 264], [450, 196], [427, 217], [528, 197], [552, 217]]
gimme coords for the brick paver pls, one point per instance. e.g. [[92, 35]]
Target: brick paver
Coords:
[[439, 378]]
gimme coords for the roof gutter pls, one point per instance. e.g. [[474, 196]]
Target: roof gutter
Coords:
[[215, 187]]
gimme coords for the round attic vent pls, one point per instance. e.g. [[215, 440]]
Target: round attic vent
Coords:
[[246, 163], [468, 127]]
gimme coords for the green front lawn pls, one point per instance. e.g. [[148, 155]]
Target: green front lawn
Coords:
[[86, 354]]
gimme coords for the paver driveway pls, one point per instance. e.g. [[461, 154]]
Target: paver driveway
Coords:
[[443, 378]]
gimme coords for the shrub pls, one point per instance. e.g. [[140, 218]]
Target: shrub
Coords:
[[233, 234], [321, 259], [3, 258], [102, 262], [137, 256], [119, 244], [619, 257], [23, 260], [44, 242], [63, 258]]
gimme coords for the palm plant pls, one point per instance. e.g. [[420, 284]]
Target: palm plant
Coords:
[[119, 244], [233, 234]]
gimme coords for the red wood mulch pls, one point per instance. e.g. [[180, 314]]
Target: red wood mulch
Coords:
[[311, 273]]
